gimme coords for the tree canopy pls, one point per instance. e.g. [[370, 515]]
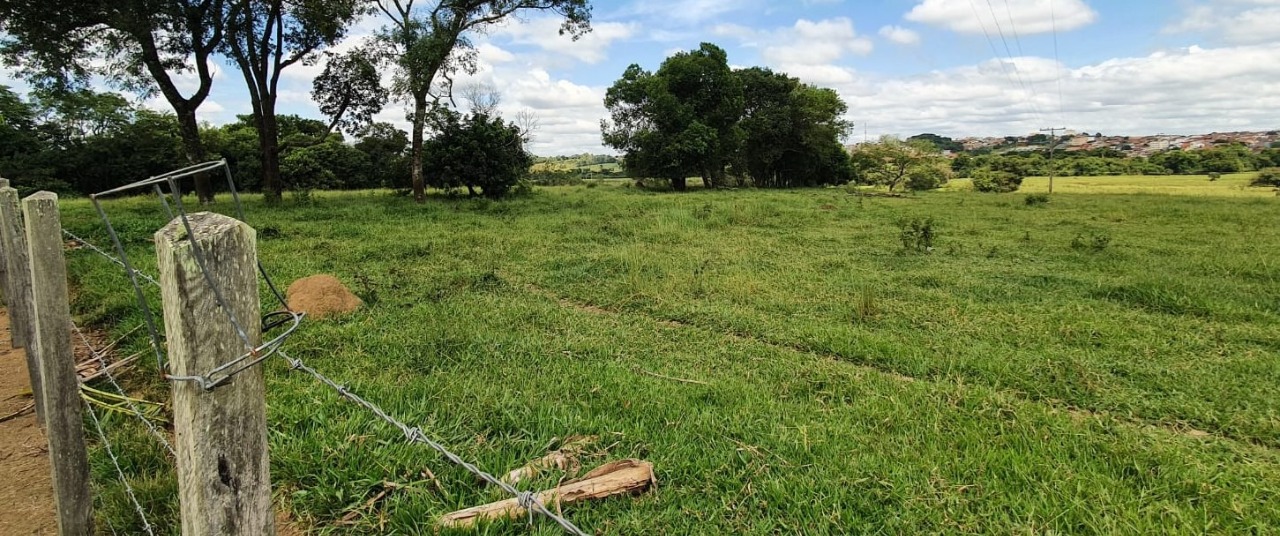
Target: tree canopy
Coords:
[[426, 39], [695, 116]]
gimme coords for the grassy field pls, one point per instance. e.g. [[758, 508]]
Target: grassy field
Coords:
[[1105, 363]]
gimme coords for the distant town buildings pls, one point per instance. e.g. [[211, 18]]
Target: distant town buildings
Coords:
[[1142, 146], [1129, 145]]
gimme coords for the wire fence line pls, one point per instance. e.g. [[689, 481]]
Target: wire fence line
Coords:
[[110, 257], [256, 355], [111, 453], [133, 408], [526, 499]]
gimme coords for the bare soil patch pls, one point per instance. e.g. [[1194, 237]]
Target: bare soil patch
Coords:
[[321, 296], [26, 490]]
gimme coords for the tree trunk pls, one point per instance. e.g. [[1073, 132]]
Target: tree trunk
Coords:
[[419, 123], [189, 129], [680, 184], [269, 143]]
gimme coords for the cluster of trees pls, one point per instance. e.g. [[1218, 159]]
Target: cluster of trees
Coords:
[[145, 46], [697, 117], [86, 142]]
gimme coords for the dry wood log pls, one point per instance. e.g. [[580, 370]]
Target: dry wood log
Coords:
[[565, 459], [613, 478]]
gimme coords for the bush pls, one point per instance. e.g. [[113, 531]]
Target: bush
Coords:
[[1267, 177], [992, 181], [917, 234], [1214, 176], [302, 172], [927, 178], [1036, 200]]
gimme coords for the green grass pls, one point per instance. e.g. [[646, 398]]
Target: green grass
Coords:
[[1102, 363]]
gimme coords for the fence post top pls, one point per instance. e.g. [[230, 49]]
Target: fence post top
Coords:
[[204, 226], [42, 195]]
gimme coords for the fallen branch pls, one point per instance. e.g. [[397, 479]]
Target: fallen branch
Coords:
[[110, 368], [673, 378], [565, 459], [16, 414], [613, 478]]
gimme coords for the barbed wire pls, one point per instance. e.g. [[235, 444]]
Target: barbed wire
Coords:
[[109, 256], [111, 453], [527, 500], [133, 408]]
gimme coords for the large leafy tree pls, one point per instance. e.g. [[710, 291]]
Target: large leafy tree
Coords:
[[792, 132], [892, 162], [680, 121], [265, 37], [139, 45], [349, 91], [428, 39], [476, 151]]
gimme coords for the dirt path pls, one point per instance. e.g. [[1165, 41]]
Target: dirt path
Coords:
[[25, 488]]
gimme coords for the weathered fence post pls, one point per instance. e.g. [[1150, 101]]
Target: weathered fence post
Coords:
[[221, 434], [4, 259], [52, 345], [19, 268]]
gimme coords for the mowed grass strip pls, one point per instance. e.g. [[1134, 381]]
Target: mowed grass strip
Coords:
[[779, 440]]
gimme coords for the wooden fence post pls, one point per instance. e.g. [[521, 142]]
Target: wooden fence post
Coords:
[[221, 435], [19, 268], [4, 259], [61, 386]]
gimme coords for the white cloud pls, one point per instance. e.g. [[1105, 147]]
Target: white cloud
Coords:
[[900, 35], [1024, 17], [544, 33], [1231, 21], [1185, 90], [805, 44]]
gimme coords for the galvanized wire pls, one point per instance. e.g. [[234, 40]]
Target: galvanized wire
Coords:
[[109, 256], [132, 407], [527, 500], [128, 489]]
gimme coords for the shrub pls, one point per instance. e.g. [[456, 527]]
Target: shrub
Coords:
[[918, 234], [1036, 200], [1267, 177], [1214, 176], [993, 181], [927, 178]]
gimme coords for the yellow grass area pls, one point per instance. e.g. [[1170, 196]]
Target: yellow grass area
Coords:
[[1234, 185]]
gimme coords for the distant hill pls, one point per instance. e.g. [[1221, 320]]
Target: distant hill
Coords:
[[594, 163]]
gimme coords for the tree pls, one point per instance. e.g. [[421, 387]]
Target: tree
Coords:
[[679, 121], [265, 37], [429, 39], [349, 91], [996, 181], [476, 151], [791, 131], [941, 142], [891, 162], [386, 146], [138, 45]]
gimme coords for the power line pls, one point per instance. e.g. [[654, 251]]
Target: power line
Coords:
[[996, 52], [1012, 63], [1053, 17]]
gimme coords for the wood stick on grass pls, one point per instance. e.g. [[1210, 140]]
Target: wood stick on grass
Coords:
[[613, 478]]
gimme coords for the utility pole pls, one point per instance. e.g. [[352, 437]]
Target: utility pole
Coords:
[[1053, 144]]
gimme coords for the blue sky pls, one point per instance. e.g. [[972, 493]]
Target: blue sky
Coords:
[[953, 67]]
